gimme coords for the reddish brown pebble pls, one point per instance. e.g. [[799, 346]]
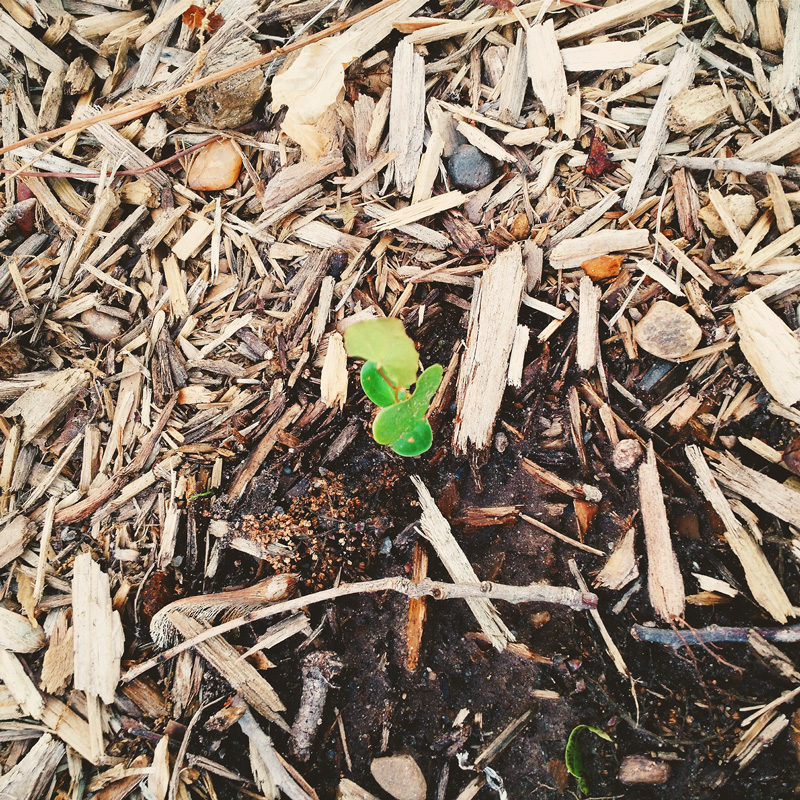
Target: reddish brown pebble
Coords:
[[627, 454], [216, 167], [667, 331], [603, 266], [642, 770], [520, 227]]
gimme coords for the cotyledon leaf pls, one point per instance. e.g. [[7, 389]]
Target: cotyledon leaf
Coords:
[[394, 421], [385, 342], [375, 386], [416, 441]]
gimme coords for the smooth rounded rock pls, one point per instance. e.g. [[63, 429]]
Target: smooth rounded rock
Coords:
[[102, 326], [667, 331], [627, 454], [400, 777], [215, 167], [469, 168]]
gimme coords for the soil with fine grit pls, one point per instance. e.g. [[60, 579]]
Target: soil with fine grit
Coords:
[[463, 693]]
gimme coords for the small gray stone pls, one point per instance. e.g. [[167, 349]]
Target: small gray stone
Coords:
[[400, 777], [101, 326], [469, 168]]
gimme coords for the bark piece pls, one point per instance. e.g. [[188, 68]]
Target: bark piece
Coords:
[[588, 324], [571, 253], [664, 580], [484, 368]]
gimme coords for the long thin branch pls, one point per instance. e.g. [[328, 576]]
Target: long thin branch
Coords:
[[127, 113], [713, 633], [534, 593]]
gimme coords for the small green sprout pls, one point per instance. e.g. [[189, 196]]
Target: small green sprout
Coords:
[[573, 757], [386, 377]]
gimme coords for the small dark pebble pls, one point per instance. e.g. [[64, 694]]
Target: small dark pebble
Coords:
[[469, 168]]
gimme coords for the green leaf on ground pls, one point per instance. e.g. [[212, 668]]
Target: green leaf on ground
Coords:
[[574, 758]]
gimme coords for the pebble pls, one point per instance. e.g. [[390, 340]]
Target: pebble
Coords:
[[667, 331], [643, 770], [627, 454], [101, 326], [469, 168], [400, 777], [215, 167]]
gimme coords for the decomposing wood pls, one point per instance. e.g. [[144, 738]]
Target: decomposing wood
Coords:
[[406, 116], [318, 670], [493, 322], [546, 69]]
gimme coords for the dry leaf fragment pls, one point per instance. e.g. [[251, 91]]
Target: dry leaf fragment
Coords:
[[598, 162]]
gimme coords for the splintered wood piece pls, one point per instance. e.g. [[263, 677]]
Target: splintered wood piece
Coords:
[[14, 538], [791, 50], [770, 347], [41, 405], [621, 14], [426, 208], [19, 683], [262, 450], [241, 675], [776, 145], [546, 69], [571, 253], [295, 179], [770, 32], [33, 775], [437, 531], [417, 609], [588, 324], [333, 381], [774, 497], [516, 360], [407, 115], [664, 580], [308, 280], [761, 579], [490, 336], [281, 775], [98, 640], [784, 218], [681, 75], [621, 567], [514, 80], [602, 56]]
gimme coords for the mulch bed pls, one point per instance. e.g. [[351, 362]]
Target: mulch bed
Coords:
[[215, 583]]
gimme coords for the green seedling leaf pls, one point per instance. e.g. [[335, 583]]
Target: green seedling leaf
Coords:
[[375, 386], [385, 342], [574, 758], [426, 387], [416, 441], [394, 421]]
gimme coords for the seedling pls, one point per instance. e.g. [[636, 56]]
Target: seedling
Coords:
[[386, 377], [574, 758]]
